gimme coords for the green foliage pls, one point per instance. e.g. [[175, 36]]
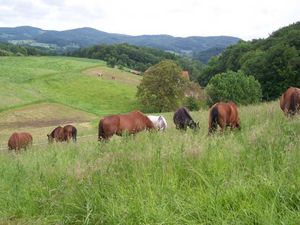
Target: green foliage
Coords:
[[7, 49], [162, 87], [5, 53], [194, 96], [111, 62], [233, 86], [228, 60], [192, 103], [274, 61], [206, 55], [194, 67], [137, 58], [274, 69]]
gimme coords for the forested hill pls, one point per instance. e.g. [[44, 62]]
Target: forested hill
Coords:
[[136, 58], [85, 37], [7, 49], [205, 56], [274, 61]]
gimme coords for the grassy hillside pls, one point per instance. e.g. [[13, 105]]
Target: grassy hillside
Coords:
[[246, 177], [27, 80]]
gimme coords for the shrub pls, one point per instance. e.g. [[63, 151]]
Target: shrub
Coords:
[[192, 103], [19, 54], [162, 87], [5, 53], [233, 86]]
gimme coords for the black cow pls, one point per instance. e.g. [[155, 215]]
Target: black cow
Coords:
[[183, 119]]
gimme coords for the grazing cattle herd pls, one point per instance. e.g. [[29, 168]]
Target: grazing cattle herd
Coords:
[[223, 114]]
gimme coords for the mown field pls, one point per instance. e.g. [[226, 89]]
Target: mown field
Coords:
[[250, 176]]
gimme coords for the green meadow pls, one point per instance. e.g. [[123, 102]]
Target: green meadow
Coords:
[[27, 80], [250, 176]]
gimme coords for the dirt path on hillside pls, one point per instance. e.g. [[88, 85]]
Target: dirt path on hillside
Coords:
[[41, 123]]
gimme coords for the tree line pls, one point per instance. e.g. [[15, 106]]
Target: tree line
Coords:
[[274, 62], [137, 58], [8, 49]]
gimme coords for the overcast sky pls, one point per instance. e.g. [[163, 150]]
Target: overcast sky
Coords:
[[245, 19]]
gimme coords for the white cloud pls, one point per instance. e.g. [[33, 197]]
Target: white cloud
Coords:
[[245, 19]]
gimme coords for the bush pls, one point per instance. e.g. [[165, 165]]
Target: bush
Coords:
[[19, 54], [162, 87], [111, 62], [233, 86], [5, 53], [192, 103]]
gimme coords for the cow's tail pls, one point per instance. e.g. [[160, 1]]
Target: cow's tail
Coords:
[[74, 134], [101, 133], [294, 105], [213, 119]]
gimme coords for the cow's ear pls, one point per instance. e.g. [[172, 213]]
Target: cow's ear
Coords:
[[159, 118]]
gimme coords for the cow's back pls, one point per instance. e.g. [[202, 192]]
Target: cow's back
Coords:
[[181, 115], [290, 100], [19, 140], [134, 122], [227, 111]]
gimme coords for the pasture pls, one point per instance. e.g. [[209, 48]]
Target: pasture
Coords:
[[250, 176], [27, 80], [243, 177], [40, 93]]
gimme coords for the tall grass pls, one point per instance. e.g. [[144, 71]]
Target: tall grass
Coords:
[[246, 177]]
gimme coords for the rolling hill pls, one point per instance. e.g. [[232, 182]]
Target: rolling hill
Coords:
[[28, 80], [85, 37]]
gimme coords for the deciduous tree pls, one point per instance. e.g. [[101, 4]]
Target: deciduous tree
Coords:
[[162, 87]]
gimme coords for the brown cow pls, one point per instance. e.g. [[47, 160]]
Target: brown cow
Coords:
[[60, 134], [70, 132], [129, 123], [224, 114], [19, 140], [290, 101], [57, 134]]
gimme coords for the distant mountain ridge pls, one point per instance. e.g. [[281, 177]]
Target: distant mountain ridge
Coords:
[[85, 37]]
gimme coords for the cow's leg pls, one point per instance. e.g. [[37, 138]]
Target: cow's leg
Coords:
[[222, 125]]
